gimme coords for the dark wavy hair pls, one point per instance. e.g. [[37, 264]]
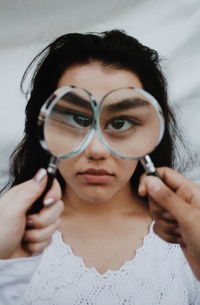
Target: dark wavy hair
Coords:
[[113, 48]]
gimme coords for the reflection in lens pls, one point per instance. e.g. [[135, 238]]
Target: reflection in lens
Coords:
[[69, 122], [130, 122]]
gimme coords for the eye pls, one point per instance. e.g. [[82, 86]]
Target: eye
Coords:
[[80, 120], [74, 119], [121, 124]]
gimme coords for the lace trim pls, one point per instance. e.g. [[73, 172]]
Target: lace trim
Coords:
[[157, 269], [58, 241]]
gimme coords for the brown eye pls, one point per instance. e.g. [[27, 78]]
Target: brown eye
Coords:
[[74, 119], [122, 124]]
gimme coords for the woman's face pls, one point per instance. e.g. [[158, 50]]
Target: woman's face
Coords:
[[95, 175]]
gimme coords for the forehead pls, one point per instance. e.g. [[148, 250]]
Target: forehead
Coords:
[[98, 79]]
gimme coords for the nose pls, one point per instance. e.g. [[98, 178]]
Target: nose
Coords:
[[96, 150]]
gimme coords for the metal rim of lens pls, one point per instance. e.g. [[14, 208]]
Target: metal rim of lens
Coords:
[[44, 115], [155, 105], [52, 100]]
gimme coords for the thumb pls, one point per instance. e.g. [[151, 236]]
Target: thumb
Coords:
[[25, 194], [166, 198]]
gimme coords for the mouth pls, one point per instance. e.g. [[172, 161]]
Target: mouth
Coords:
[[96, 176]]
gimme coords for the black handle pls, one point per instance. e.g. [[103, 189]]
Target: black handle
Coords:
[[149, 166], [155, 174], [38, 204]]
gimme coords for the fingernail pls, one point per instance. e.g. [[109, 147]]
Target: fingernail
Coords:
[[153, 184], [40, 175], [48, 201], [141, 189]]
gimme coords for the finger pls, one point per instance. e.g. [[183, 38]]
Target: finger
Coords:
[[166, 198], [155, 209], [40, 235], [34, 248], [190, 194], [185, 188], [46, 216], [142, 190], [26, 193], [167, 227], [173, 179], [169, 217], [168, 238], [158, 212], [53, 195]]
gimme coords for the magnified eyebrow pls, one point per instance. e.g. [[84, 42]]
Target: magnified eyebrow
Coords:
[[77, 100], [127, 104]]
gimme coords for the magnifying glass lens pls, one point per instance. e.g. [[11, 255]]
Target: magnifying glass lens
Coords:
[[130, 122], [69, 122]]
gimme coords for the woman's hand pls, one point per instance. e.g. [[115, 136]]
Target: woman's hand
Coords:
[[175, 207], [15, 240]]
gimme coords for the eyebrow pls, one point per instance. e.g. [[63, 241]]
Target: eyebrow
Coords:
[[74, 99], [126, 104]]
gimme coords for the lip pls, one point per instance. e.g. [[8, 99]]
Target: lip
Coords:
[[95, 171], [96, 176]]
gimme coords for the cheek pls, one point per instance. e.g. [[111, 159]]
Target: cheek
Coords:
[[127, 169], [66, 168]]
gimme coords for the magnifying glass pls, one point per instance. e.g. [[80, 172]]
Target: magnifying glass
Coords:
[[65, 128], [131, 124], [128, 121]]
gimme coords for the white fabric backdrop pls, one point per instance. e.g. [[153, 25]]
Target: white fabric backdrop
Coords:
[[171, 27]]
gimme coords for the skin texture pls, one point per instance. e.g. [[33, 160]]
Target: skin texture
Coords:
[[175, 207]]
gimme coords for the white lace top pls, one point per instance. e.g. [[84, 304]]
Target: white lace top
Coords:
[[157, 275]]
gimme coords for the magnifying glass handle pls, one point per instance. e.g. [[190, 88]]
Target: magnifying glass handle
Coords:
[[155, 174], [38, 204], [149, 166], [51, 172]]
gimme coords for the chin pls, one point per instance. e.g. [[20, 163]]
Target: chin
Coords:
[[95, 197]]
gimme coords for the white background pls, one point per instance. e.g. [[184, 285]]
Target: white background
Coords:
[[171, 27]]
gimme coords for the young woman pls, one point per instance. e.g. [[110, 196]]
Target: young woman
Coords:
[[105, 251]]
